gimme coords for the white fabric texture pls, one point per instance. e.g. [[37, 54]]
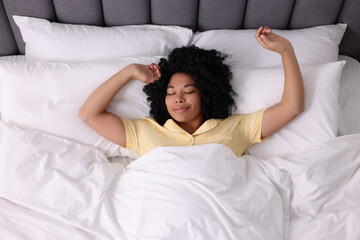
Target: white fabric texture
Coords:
[[53, 186], [316, 45], [169, 193], [19, 223], [47, 96], [16, 58], [261, 88], [349, 95], [325, 187], [341, 122], [52, 41]]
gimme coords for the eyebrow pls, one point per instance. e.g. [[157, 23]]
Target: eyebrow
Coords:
[[187, 85]]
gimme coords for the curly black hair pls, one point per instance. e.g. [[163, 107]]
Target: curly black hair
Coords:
[[211, 75]]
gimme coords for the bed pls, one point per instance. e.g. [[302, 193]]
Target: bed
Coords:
[[61, 180]]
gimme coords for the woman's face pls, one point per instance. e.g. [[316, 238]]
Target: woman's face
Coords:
[[183, 100]]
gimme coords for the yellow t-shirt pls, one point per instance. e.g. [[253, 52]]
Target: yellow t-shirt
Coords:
[[237, 132]]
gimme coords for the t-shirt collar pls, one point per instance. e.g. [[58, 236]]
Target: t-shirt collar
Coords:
[[171, 125]]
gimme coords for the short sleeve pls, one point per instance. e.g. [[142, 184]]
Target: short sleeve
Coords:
[[255, 127], [251, 124], [132, 131]]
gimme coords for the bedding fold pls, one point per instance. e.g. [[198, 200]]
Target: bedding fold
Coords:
[[326, 192], [196, 192]]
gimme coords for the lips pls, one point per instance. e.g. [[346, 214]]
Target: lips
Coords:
[[181, 109]]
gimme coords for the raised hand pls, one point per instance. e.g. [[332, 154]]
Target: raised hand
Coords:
[[272, 41], [292, 102], [146, 73]]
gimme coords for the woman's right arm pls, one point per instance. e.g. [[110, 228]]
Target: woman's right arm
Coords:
[[93, 111]]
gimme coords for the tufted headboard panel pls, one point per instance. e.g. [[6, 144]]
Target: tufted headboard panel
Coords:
[[199, 15]]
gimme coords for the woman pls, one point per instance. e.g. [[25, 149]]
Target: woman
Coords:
[[191, 99]]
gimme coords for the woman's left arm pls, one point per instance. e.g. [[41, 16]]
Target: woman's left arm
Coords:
[[292, 101]]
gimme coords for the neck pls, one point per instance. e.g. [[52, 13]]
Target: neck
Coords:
[[191, 126]]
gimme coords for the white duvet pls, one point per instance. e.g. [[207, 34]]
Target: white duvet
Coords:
[[51, 188]]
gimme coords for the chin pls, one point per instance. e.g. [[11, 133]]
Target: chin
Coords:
[[180, 119]]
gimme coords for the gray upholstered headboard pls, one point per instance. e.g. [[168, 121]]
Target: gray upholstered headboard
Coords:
[[198, 15]]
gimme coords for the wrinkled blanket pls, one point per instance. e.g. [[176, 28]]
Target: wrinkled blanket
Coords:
[[51, 188]]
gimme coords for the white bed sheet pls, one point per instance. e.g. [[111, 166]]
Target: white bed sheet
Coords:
[[325, 179], [20, 223], [199, 192], [169, 193]]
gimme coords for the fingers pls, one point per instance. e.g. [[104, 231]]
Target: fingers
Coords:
[[263, 31], [264, 39], [156, 71], [261, 36], [267, 29], [258, 32]]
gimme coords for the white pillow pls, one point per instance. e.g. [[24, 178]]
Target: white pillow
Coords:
[[66, 42], [20, 58], [316, 45], [47, 96], [261, 88], [349, 95]]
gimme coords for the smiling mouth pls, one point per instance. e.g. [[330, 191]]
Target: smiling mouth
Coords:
[[180, 110]]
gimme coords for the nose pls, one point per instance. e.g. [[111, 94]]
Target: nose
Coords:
[[180, 99]]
